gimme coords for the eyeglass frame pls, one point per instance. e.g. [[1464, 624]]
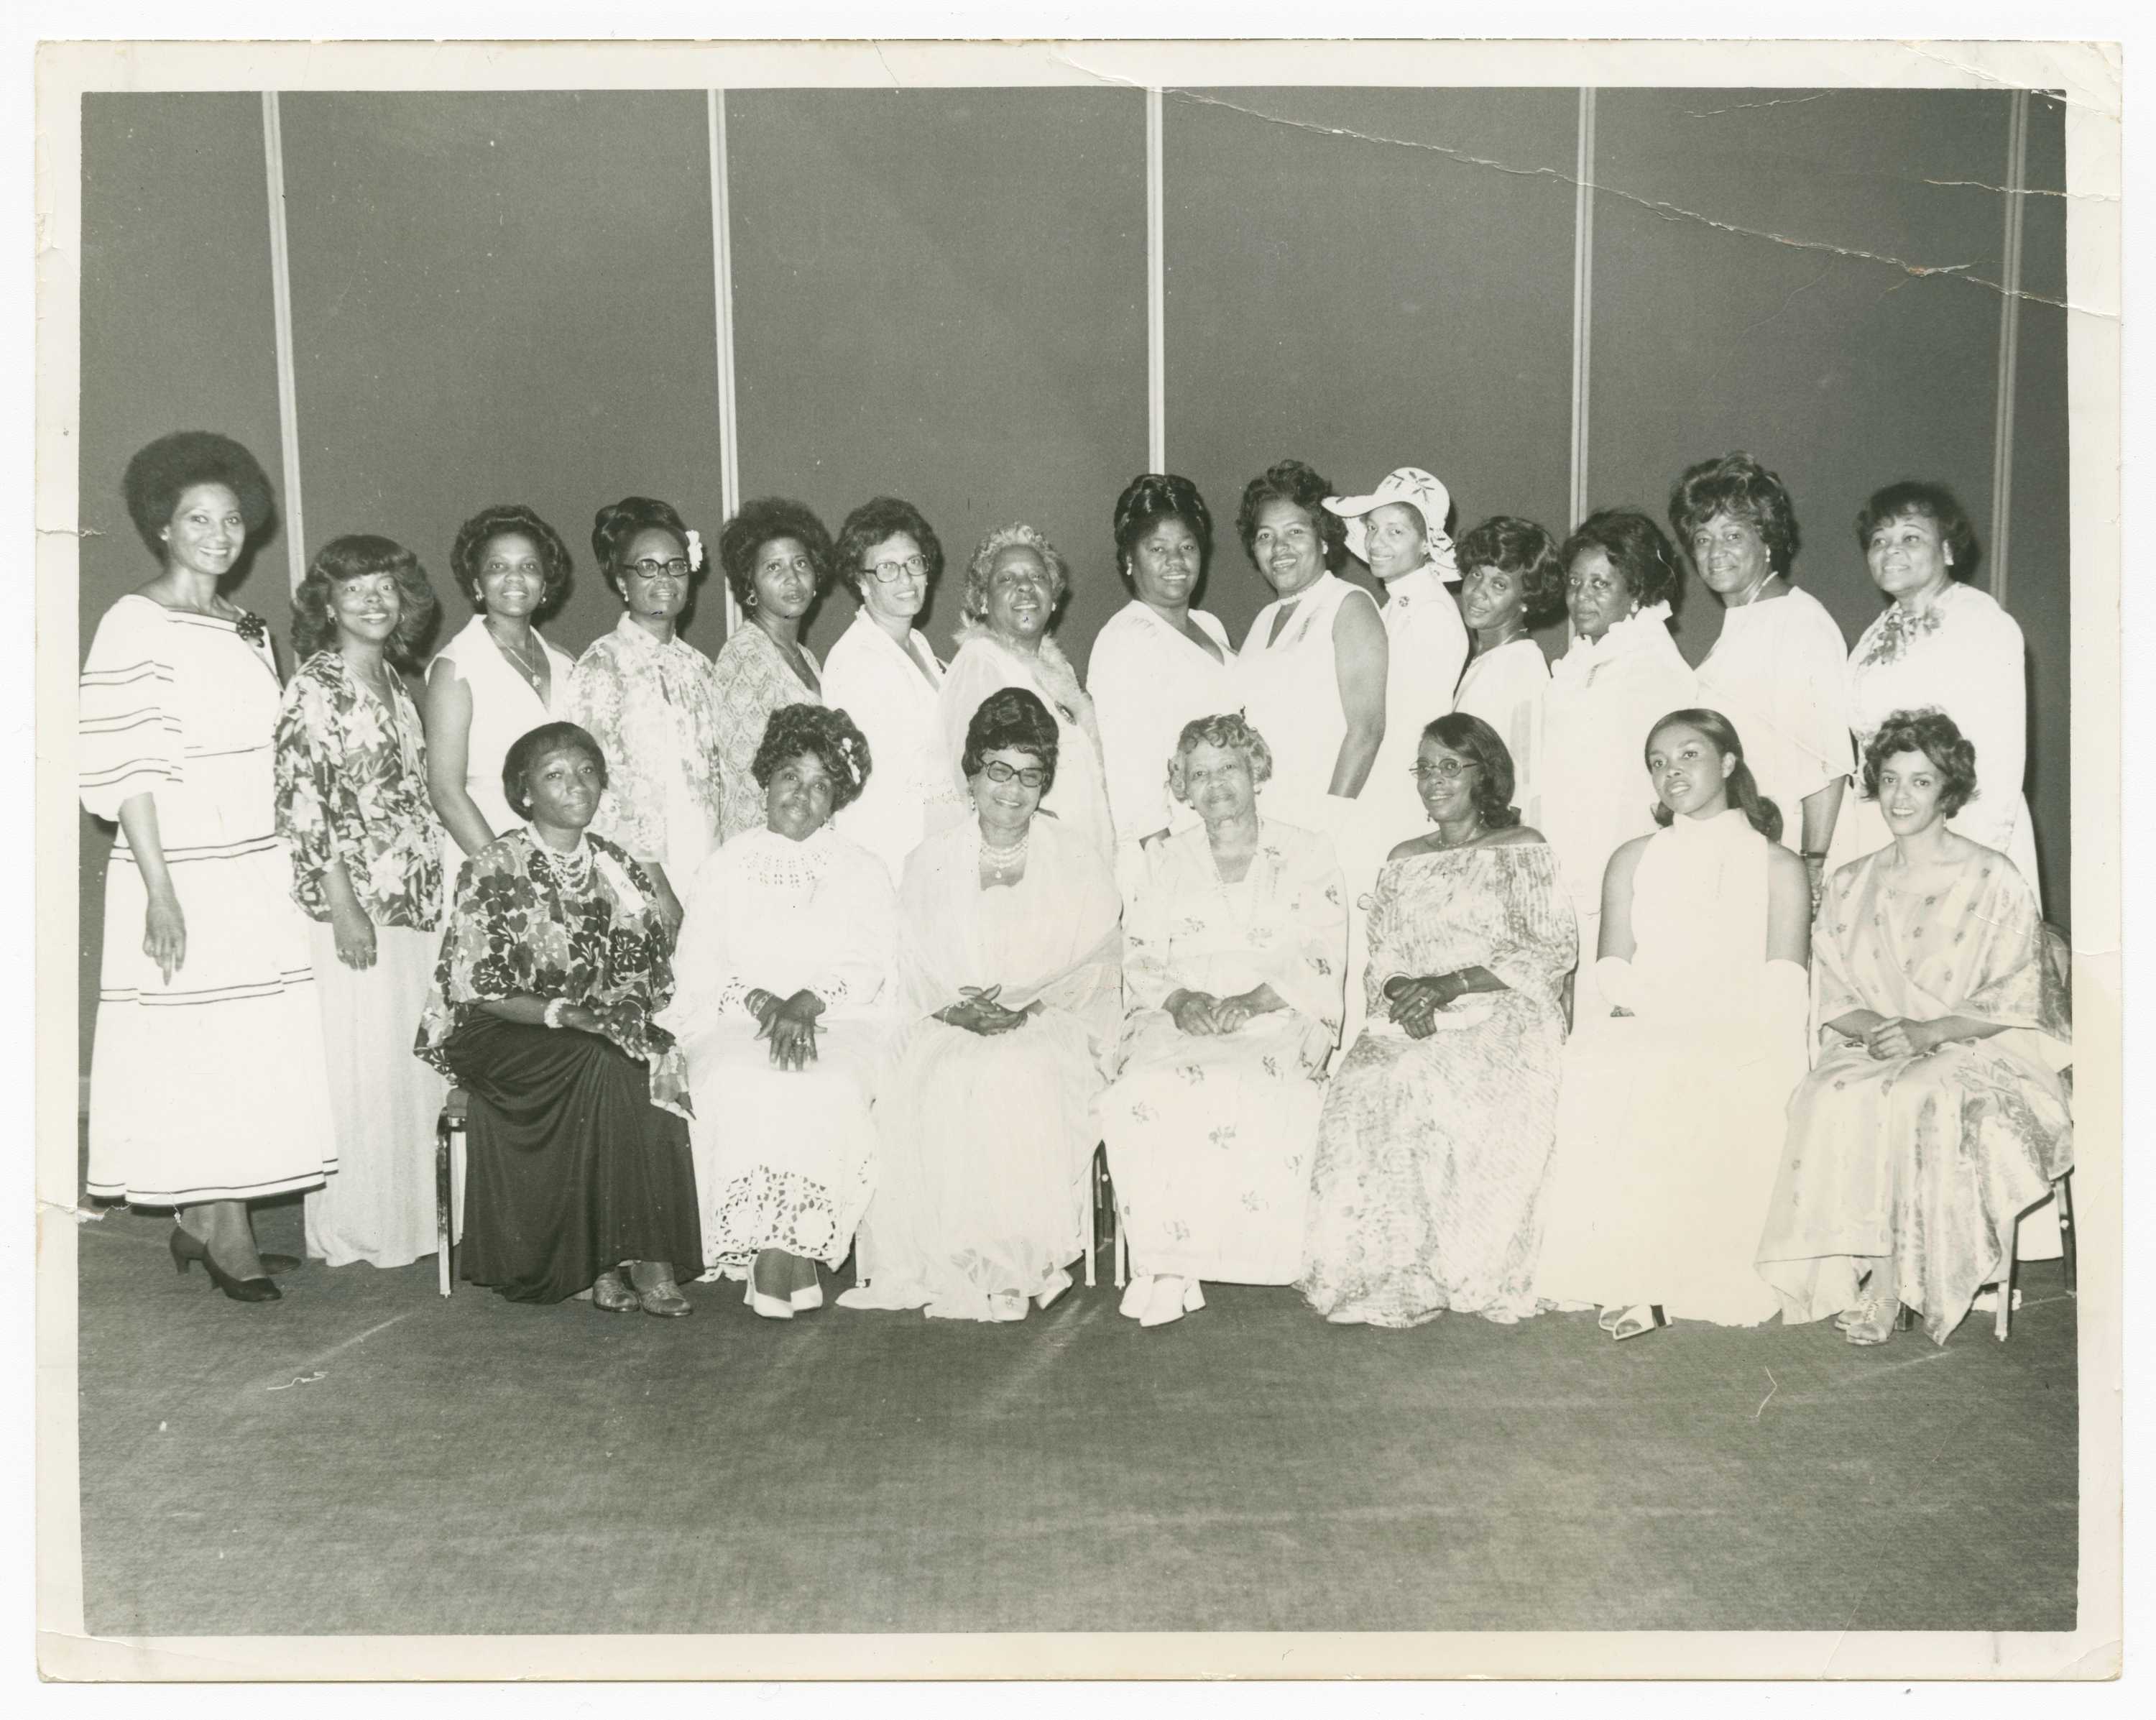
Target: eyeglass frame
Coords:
[[1033, 776], [1447, 770], [650, 568], [913, 567]]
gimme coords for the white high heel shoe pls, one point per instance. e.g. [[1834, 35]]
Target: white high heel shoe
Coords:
[[772, 1307], [1136, 1295], [1059, 1280], [1171, 1299]]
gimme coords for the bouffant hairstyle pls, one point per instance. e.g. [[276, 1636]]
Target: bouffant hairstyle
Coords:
[[616, 526], [1738, 485], [1743, 790], [1471, 737], [869, 524], [742, 538], [1637, 548], [1151, 497], [1522, 549], [528, 749], [1934, 502], [1932, 732], [1291, 480], [975, 608], [161, 473], [355, 556], [1011, 719], [1231, 733], [468, 554], [840, 747]]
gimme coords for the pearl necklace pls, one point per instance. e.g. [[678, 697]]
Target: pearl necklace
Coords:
[[1004, 862], [572, 872]]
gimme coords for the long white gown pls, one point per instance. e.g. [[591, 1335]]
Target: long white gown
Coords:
[[892, 693], [785, 1157], [1507, 689], [1147, 679], [1780, 674]]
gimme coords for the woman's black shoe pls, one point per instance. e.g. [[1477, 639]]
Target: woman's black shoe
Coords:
[[185, 1252]]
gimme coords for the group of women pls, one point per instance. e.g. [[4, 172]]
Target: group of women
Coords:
[[1386, 959]]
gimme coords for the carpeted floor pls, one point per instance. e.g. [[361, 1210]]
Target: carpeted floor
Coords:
[[473, 1467]]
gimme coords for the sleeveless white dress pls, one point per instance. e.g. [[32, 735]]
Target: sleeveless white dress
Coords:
[[504, 706]]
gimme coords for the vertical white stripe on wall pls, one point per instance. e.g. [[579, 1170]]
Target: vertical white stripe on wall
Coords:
[[2009, 346], [1583, 298], [1156, 294], [292, 515], [722, 297]]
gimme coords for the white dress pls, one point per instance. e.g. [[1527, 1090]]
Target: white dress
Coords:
[[1965, 656], [785, 1159], [1605, 696], [882, 686], [1670, 1122], [1289, 688], [211, 1086], [1147, 679], [1780, 674], [1507, 688], [1426, 645], [503, 707]]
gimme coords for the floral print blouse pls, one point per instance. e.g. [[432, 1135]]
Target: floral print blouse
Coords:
[[351, 786], [754, 680], [517, 930], [653, 709]]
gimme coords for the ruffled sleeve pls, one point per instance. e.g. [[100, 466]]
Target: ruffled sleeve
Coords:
[[129, 734], [1539, 943]]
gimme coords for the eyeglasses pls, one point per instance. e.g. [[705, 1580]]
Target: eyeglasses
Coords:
[[996, 771], [914, 567], [1446, 770], [648, 569]]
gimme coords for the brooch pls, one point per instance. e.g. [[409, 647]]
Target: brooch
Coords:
[[252, 628]]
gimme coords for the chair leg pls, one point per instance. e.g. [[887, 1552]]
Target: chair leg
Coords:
[[2004, 1315], [2064, 1189], [442, 1263], [1092, 1217]]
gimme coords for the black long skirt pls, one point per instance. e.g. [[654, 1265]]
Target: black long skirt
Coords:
[[572, 1170]]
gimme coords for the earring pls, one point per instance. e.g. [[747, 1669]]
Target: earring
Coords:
[[751, 604]]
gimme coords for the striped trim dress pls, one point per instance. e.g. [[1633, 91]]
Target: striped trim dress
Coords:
[[213, 1086]]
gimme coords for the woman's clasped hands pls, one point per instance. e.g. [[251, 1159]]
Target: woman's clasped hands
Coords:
[[790, 1024], [1414, 1001], [978, 1011]]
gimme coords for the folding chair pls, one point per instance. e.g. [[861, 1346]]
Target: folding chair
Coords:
[[449, 1139]]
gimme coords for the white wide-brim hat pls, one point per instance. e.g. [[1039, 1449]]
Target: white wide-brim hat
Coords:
[[1420, 491]]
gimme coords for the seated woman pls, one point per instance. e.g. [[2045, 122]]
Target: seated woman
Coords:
[[1674, 1092], [1437, 1128], [1232, 967], [1935, 1116], [1009, 984], [552, 966], [783, 968]]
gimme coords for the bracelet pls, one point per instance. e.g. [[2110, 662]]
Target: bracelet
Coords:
[[554, 1012], [1809, 854]]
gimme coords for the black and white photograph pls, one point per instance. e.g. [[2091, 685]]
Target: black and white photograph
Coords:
[[1078, 860]]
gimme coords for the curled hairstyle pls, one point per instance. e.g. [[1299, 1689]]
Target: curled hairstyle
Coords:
[[1932, 732], [1934, 502], [355, 556], [979, 569], [1152, 497], [1457, 732], [1292, 481], [1522, 549], [840, 747], [760, 523], [618, 525], [528, 749], [874, 520], [468, 554], [1011, 719], [1231, 733], [1765, 816], [164, 471], [1637, 548], [1738, 485]]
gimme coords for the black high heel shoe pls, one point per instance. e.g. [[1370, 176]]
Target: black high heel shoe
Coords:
[[188, 1248], [241, 1290]]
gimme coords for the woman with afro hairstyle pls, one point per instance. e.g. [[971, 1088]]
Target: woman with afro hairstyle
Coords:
[[778, 558]]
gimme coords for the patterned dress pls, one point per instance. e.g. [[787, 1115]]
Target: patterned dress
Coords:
[[351, 790], [1426, 1194], [1925, 1161], [209, 1086], [579, 1141], [753, 679], [1209, 1136]]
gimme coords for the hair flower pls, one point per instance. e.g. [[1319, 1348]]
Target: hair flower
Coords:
[[695, 550]]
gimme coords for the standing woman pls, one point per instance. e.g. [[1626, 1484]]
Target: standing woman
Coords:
[[1669, 1128], [1312, 674], [497, 679], [883, 675], [1013, 583], [778, 558], [1940, 644], [1513, 582], [1621, 674], [1158, 664], [651, 700], [1779, 670], [207, 1089], [366, 871]]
